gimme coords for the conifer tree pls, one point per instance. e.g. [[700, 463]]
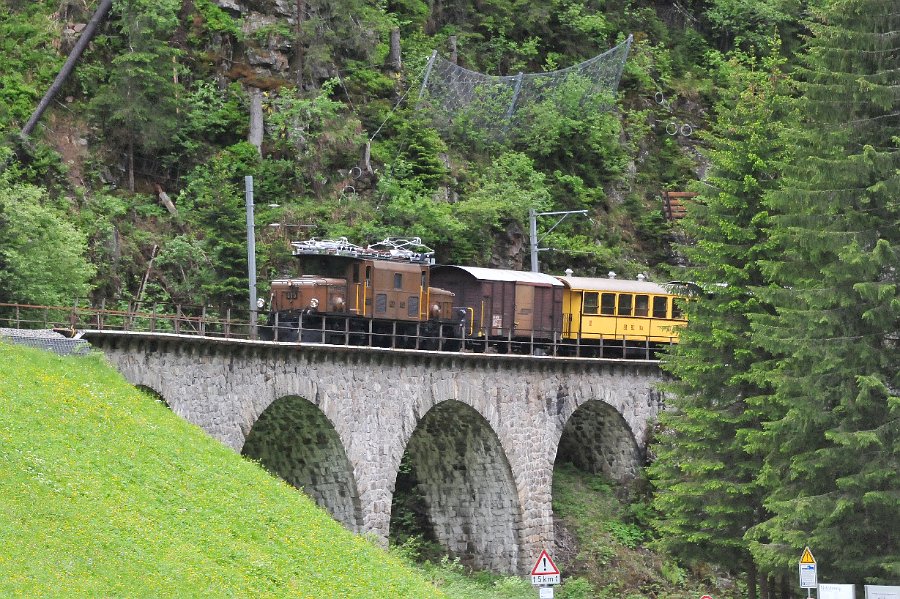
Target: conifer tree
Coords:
[[214, 204], [137, 104], [832, 453], [707, 493]]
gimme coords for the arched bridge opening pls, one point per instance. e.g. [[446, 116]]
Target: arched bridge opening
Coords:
[[597, 439], [153, 394], [294, 440], [457, 470]]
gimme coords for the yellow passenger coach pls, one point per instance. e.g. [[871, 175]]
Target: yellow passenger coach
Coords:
[[615, 313]]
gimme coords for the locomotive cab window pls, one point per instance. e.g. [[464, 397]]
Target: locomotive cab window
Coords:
[[590, 302], [608, 304], [356, 273], [368, 276], [660, 307], [398, 280], [625, 301], [641, 305]]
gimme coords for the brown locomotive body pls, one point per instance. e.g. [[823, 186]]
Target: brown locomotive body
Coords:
[[362, 295]]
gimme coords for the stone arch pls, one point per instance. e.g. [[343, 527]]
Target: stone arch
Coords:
[[597, 439], [154, 394], [468, 486], [294, 440]]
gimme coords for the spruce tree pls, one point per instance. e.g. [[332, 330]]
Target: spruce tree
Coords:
[[707, 495], [137, 105], [832, 452]]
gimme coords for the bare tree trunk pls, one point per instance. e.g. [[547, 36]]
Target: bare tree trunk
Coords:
[[751, 580], [140, 293], [394, 60], [764, 586], [255, 136], [365, 163], [785, 588], [131, 164], [453, 56], [68, 67], [166, 201]]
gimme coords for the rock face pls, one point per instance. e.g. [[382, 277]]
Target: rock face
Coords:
[[482, 432], [510, 248], [267, 28]]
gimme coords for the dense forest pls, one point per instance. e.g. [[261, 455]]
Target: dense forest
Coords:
[[782, 115]]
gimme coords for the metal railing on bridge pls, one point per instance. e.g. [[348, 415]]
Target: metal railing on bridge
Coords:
[[180, 319], [234, 323]]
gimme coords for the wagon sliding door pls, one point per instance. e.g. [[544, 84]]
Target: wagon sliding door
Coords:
[[524, 321]]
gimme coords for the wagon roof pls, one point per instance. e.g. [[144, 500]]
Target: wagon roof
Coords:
[[498, 274], [601, 284]]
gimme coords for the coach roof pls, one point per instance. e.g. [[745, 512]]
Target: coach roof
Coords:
[[496, 274], [620, 285]]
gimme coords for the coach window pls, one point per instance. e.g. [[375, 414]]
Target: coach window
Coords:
[[641, 305], [608, 304], [398, 281], [660, 307], [625, 301], [590, 302]]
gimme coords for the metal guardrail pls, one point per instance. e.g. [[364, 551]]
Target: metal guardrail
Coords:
[[228, 323], [152, 318]]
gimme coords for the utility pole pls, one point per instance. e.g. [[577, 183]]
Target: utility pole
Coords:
[[251, 252], [532, 226]]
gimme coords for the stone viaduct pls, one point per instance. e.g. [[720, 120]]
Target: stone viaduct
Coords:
[[480, 433]]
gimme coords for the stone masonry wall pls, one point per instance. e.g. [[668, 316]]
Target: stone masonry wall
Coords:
[[517, 409]]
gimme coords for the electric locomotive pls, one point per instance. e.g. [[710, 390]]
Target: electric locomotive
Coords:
[[378, 295]]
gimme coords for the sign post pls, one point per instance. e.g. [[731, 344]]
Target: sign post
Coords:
[[807, 571]]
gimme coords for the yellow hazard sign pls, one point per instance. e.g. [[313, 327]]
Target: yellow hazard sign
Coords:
[[807, 557]]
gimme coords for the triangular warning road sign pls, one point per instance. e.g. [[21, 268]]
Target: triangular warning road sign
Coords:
[[544, 566], [807, 557]]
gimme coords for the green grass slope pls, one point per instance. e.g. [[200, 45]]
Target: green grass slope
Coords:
[[105, 492]]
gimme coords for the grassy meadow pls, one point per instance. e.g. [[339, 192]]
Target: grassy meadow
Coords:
[[105, 492]]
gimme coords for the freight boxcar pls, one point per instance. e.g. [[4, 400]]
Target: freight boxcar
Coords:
[[505, 309]]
